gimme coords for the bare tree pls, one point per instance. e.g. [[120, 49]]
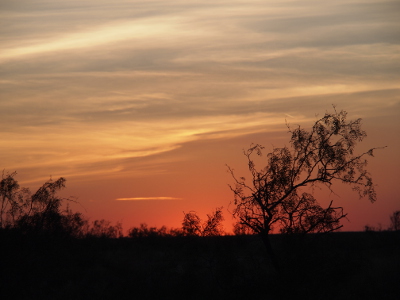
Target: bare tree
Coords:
[[275, 194]]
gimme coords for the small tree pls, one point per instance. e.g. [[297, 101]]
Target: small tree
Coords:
[[19, 206], [192, 224], [275, 194], [9, 189], [40, 212], [395, 221], [213, 225]]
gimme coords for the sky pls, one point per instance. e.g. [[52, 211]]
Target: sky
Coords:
[[141, 105]]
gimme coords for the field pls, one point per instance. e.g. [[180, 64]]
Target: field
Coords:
[[343, 265]]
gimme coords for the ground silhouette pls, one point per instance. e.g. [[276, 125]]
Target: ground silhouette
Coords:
[[361, 265]]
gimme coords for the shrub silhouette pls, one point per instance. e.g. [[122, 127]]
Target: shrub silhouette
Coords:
[[144, 231], [103, 229]]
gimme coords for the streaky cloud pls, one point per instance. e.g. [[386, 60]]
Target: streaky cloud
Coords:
[[147, 198]]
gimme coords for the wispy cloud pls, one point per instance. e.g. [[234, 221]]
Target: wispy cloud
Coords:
[[147, 198], [135, 31]]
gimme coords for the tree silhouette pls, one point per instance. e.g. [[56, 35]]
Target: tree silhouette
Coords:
[[275, 196], [213, 225], [10, 204], [19, 206], [192, 224], [395, 221], [42, 213], [39, 212]]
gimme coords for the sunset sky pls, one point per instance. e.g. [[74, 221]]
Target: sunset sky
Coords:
[[140, 105]]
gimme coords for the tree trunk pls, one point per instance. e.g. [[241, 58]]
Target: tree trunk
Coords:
[[270, 252]]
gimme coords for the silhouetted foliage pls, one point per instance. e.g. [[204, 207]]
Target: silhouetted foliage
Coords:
[[275, 196], [192, 224], [37, 213], [75, 224], [41, 212], [395, 221], [104, 229], [241, 229], [213, 225], [13, 200], [144, 231]]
